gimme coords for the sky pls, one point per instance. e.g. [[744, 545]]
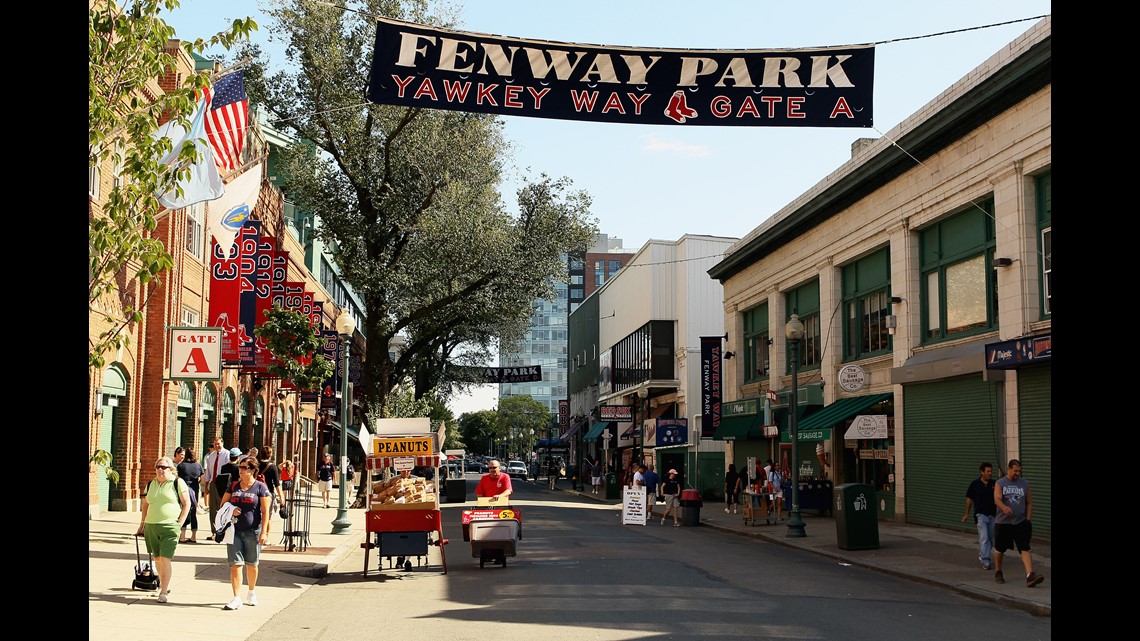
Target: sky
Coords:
[[652, 182]]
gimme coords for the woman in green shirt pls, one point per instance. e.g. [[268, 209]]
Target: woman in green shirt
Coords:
[[166, 503]]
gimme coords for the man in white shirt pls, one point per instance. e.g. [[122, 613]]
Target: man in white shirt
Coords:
[[217, 458]]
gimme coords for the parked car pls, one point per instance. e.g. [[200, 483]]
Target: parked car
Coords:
[[516, 470]]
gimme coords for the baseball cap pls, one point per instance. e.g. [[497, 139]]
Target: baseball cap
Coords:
[[672, 471], [235, 452]]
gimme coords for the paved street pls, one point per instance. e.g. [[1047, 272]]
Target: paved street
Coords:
[[200, 588]]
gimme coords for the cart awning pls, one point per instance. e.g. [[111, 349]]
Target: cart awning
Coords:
[[841, 409]]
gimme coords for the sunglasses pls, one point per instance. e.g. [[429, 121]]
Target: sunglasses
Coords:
[[248, 468], [163, 467]]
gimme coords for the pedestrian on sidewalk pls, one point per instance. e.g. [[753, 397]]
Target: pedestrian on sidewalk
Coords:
[[980, 495], [596, 475], [671, 488], [777, 491], [190, 471], [324, 477], [166, 502], [250, 498], [731, 489], [217, 457], [652, 481], [1012, 526]]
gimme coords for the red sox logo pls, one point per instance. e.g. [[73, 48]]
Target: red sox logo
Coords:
[[678, 109]]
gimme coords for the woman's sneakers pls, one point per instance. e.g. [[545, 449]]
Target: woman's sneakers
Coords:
[[235, 604], [162, 598]]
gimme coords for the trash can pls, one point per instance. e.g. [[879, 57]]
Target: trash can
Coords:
[[856, 519], [613, 490], [691, 507], [456, 490]]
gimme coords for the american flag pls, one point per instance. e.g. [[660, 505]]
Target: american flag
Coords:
[[227, 119]]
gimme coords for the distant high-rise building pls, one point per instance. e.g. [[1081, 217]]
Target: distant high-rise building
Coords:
[[547, 344]]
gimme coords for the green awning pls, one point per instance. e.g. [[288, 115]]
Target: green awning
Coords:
[[738, 428], [840, 410], [596, 429]]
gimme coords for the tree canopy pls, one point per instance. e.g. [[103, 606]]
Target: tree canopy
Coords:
[[127, 49], [408, 199]]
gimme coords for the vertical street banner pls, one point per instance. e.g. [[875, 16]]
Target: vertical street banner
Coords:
[[248, 241], [329, 343], [262, 293], [225, 290], [710, 384], [563, 416], [416, 65]]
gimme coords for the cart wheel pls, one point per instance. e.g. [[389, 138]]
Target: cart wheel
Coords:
[[408, 566]]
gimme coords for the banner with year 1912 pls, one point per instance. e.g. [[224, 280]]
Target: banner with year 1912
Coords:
[[421, 66]]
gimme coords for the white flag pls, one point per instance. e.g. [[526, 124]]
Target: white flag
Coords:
[[226, 215], [204, 182], [365, 437]]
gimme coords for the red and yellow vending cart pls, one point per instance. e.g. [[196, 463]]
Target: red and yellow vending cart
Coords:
[[403, 512]]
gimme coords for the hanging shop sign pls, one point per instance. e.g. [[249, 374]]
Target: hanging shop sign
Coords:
[[195, 353], [867, 426], [416, 65], [852, 378], [615, 412], [1019, 352]]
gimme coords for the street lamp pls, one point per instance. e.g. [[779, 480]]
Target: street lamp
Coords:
[[643, 394], [794, 330], [345, 326]]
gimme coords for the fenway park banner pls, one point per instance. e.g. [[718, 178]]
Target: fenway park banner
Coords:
[[523, 374], [420, 66], [710, 384]]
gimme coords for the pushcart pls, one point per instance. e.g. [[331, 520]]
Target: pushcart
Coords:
[[400, 524], [757, 505], [494, 532]]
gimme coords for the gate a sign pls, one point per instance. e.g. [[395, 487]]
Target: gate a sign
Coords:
[[195, 353]]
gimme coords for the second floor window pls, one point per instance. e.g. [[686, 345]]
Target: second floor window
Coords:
[[959, 286], [804, 301], [867, 305], [756, 348], [195, 224]]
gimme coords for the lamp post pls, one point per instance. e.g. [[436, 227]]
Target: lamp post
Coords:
[[345, 326], [794, 330], [642, 394]]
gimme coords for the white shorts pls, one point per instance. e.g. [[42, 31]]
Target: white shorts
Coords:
[[595, 480], [324, 486]]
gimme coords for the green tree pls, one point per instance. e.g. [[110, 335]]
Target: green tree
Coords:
[[295, 346], [126, 48], [408, 199], [520, 421], [478, 430]]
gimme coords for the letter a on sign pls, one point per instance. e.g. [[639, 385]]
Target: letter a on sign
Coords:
[[195, 353]]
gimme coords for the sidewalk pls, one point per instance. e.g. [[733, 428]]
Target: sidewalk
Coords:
[[935, 556], [200, 586]]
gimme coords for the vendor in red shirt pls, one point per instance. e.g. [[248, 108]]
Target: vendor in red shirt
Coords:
[[494, 484]]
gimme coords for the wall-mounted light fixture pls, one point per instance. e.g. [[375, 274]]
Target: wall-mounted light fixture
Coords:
[[895, 300], [1003, 262], [728, 355]]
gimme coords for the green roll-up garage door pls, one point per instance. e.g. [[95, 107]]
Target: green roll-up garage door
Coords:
[[950, 426], [1035, 427]]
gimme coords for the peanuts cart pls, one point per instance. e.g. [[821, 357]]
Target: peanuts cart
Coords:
[[403, 513]]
